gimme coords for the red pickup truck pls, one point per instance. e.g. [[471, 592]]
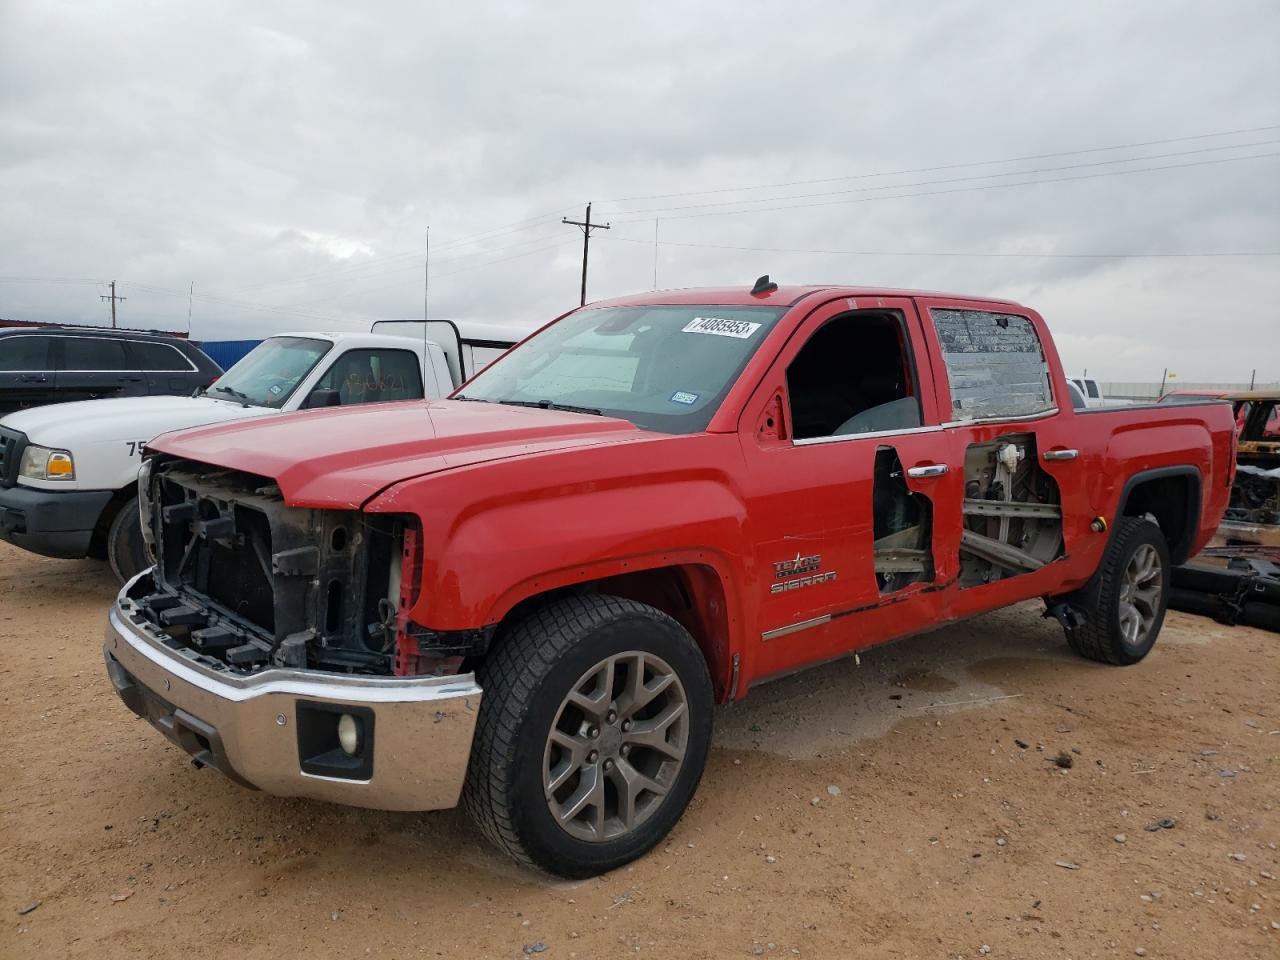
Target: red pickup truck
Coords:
[[529, 596]]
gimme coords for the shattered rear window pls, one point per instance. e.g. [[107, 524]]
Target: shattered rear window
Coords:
[[995, 364]]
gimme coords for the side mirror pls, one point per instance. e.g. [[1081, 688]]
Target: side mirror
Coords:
[[323, 398]]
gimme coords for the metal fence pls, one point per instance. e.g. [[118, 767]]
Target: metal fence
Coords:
[[1150, 391]]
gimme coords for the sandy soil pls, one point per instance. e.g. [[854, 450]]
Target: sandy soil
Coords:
[[852, 811]]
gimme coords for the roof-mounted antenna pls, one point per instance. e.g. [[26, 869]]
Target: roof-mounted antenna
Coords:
[[763, 286]]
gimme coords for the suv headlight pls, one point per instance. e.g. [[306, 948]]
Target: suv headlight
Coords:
[[42, 463]]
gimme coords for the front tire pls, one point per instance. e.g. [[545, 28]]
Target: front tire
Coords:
[[592, 735], [126, 550], [1124, 605]]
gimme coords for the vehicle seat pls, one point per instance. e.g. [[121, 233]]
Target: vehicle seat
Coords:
[[900, 414]]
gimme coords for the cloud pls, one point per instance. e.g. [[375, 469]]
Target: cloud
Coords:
[[288, 160]]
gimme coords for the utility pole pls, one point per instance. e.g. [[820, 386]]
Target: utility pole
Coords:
[[113, 298], [587, 226]]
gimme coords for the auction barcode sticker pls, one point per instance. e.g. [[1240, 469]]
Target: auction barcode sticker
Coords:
[[720, 327]]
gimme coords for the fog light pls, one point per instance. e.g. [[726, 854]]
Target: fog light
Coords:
[[349, 734]]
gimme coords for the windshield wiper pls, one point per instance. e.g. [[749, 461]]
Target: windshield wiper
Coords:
[[549, 405], [242, 397]]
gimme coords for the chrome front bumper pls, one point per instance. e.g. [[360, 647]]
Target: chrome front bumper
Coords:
[[419, 729]]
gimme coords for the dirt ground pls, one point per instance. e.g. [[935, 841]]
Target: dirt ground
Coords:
[[862, 809]]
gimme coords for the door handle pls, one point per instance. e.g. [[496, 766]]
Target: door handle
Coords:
[[932, 470], [1061, 454], [33, 378], [129, 379]]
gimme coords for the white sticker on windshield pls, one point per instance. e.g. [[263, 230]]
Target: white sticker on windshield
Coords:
[[720, 327]]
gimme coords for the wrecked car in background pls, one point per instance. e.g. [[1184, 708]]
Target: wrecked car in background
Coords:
[[1253, 514], [529, 596], [1236, 578]]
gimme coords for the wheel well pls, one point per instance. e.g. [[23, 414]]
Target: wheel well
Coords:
[[690, 594], [1173, 498], [98, 541]]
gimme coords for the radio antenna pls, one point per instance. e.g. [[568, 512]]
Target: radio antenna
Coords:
[[426, 289]]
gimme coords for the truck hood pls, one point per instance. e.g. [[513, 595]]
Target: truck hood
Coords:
[[70, 425], [339, 458]]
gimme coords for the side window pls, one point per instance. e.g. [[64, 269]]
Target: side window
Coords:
[[160, 357], [853, 376], [1093, 388], [995, 364], [24, 354], [374, 376], [482, 356], [93, 354], [1077, 398]]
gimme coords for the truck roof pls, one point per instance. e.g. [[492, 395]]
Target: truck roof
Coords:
[[783, 296], [349, 338]]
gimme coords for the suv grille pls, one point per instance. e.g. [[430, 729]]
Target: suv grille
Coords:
[[12, 445]]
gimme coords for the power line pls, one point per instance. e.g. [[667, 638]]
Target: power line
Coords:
[[404, 283], [981, 176], [503, 230], [223, 301], [938, 253], [399, 268], [947, 166], [436, 261], [52, 280], [939, 193], [489, 263]]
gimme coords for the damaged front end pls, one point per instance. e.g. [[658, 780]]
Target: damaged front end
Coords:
[[249, 582], [273, 643]]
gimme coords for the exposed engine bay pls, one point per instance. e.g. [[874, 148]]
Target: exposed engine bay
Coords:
[[1012, 511], [1251, 524], [1255, 495], [248, 582]]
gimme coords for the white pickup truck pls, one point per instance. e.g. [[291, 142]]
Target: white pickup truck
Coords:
[[68, 471]]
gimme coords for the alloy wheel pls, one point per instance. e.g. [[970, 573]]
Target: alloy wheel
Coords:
[[616, 746], [1140, 590]]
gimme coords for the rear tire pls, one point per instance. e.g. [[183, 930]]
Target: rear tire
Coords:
[[1125, 603], [126, 550], [592, 735]]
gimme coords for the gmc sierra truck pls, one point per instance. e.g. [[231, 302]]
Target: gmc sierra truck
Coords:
[[529, 596]]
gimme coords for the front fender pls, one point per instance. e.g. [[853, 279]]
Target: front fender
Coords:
[[498, 533]]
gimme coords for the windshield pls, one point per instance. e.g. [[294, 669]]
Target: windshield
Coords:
[[664, 368], [270, 372]]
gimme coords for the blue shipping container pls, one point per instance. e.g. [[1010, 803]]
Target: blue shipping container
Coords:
[[226, 353]]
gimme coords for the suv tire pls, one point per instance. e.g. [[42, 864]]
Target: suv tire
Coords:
[[592, 735]]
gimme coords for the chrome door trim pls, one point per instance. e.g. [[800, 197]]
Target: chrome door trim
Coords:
[[812, 441], [795, 627]]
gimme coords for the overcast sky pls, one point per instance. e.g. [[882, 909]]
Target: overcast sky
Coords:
[[287, 158]]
